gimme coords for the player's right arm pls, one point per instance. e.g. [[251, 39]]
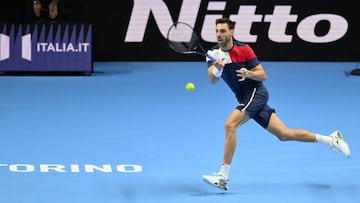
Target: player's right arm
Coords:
[[215, 71]]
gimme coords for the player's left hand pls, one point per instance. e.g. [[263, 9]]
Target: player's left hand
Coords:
[[242, 73]]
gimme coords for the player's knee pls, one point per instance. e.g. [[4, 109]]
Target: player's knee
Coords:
[[230, 127], [283, 135]]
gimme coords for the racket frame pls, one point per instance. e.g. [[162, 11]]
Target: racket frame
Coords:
[[197, 41]]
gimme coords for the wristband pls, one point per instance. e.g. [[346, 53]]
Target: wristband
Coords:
[[217, 73]]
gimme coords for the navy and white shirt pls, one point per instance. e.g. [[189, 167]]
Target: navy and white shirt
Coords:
[[252, 95], [241, 55]]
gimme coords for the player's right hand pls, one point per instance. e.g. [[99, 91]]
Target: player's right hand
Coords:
[[219, 64]]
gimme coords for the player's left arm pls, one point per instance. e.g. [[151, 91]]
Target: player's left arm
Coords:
[[253, 68], [257, 73]]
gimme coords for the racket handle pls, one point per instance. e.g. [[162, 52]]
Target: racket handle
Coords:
[[211, 57]]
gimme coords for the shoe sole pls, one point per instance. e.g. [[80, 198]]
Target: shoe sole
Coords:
[[340, 137], [219, 186]]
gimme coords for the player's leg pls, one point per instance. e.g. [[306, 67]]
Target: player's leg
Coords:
[[250, 103], [233, 122], [283, 133], [335, 140]]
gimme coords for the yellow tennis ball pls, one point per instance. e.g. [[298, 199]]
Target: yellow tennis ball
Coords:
[[190, 86]]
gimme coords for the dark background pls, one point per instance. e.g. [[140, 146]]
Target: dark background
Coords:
[[110, 19]]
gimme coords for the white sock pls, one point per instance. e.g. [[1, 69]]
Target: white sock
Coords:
[[224, 170], [323, 139]]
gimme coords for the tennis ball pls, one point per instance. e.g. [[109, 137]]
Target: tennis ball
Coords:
[[190, 86]]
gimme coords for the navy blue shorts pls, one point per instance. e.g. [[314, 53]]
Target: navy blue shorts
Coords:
[[255, 103]]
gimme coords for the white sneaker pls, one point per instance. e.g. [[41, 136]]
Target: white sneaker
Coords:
[[339, 144], [216, 180]]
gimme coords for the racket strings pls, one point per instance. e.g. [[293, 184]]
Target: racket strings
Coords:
[[184, 46], [179, 40]]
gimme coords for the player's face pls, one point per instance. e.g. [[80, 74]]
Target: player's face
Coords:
[[224, 36]]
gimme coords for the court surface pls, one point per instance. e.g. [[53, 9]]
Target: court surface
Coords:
[[132, 133]]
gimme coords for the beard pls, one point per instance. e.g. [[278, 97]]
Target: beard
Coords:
[[224, 42]]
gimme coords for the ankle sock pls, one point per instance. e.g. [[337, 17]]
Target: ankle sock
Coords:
[[224, 170], [323, 139]]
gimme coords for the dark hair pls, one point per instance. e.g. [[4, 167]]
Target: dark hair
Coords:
[[230, 23]]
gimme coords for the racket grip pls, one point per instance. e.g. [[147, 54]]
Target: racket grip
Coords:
[[211, 57]]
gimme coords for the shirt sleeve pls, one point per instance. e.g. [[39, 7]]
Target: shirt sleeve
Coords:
[[251, 58]]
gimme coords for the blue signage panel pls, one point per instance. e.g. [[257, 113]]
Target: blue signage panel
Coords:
[[45, 48]]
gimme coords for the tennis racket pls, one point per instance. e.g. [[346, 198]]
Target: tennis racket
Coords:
[[183, 39]]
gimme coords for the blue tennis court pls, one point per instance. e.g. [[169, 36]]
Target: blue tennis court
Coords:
[[132, 133]]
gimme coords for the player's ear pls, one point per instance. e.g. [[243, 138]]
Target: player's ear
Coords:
[[232, 31]]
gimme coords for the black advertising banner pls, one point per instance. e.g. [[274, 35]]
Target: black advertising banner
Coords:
[[135, 30]]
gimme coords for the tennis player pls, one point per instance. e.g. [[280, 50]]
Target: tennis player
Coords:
[[244, 74]]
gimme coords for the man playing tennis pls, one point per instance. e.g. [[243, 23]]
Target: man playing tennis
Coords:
[[239, 67]]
